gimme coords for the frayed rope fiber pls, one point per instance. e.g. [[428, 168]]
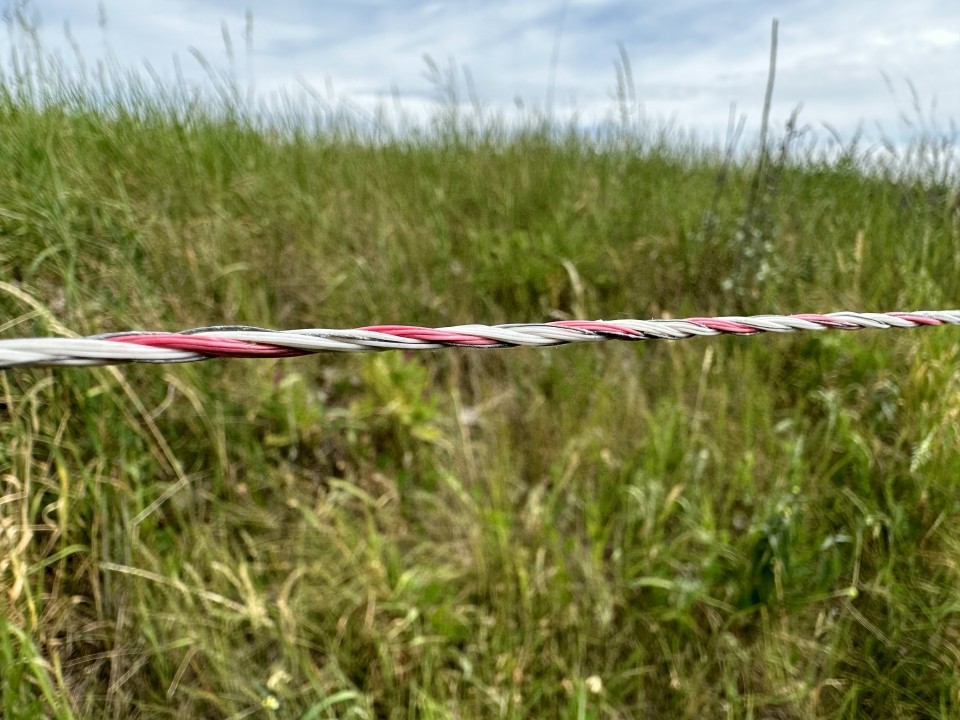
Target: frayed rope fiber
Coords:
[[240, 341]]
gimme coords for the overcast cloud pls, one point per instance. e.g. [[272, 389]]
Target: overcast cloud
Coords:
[[691, 59]]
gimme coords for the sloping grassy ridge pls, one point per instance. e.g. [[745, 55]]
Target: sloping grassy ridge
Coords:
[[727, 527]]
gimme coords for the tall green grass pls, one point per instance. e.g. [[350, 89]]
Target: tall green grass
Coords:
[[725, 527]]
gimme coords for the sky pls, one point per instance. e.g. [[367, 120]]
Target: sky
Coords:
[[850, 64]]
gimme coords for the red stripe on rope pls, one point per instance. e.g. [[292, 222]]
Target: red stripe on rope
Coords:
[[826, 320], [414, 332], [597, 326], [722, 325], [218, 347], [918, 319]]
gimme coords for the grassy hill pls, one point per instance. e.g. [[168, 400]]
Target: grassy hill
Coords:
[[728, 527]]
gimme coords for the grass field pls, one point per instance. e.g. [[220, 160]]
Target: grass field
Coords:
[[748, 528]]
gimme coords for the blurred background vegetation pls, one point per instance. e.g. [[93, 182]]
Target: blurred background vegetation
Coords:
[[724, 527]]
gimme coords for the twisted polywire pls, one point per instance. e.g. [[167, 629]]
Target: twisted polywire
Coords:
[[242, 341]]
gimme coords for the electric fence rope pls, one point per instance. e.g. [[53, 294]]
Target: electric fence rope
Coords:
[[239, 341]]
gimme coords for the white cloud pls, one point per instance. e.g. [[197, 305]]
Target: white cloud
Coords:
[[690, 58]]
